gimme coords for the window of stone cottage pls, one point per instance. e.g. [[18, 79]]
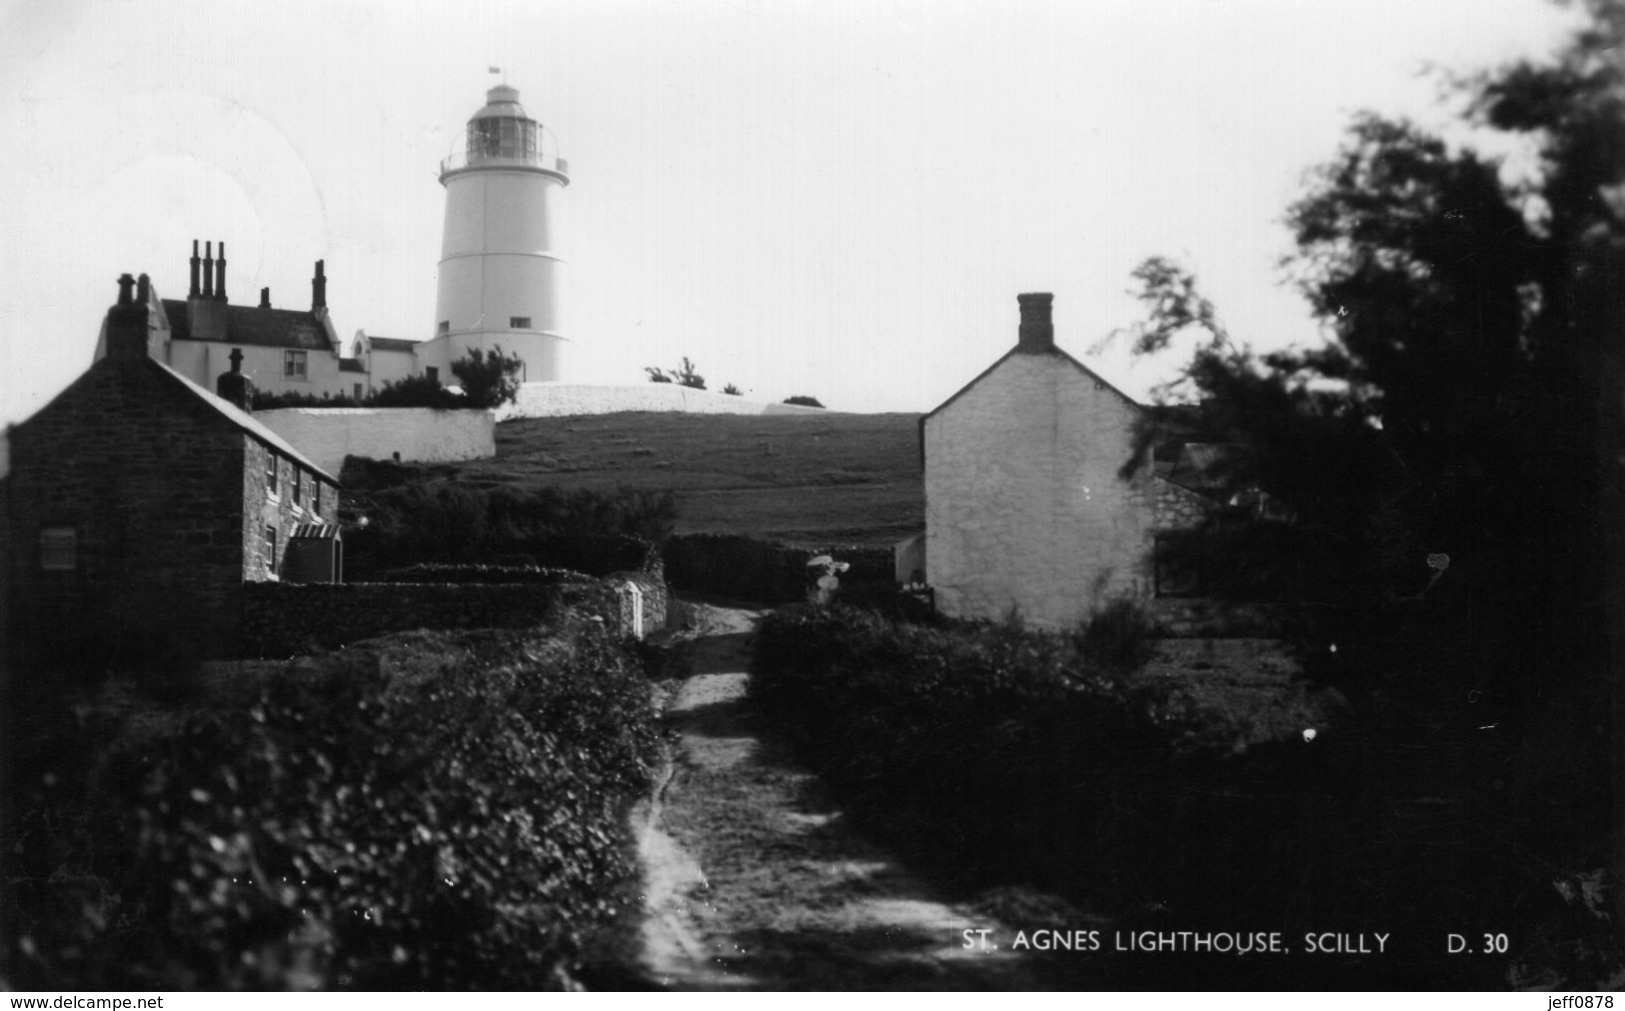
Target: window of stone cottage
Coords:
[[270, 473], [298, 486], [270, 550], [58, 549]]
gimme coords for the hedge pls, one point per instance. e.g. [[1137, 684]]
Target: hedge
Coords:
[[426, 810], [998, 756]]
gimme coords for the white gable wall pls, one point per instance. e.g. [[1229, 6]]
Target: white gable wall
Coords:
[[1024, 506]]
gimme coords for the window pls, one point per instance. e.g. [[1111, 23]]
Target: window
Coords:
[[358, 391], [58, 549], [270, 473], [445, 326], [270, 550], [1178, 561], [298, 485], [315, 494], [519, 322], [293, 365]]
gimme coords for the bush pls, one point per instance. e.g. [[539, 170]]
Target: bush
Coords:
[[1005, 756], [417, 391], [488, 379], [414, 518], [1118, 636], [803, 401], [425, 811]]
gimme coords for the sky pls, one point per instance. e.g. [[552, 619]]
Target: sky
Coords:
[[829, 199]]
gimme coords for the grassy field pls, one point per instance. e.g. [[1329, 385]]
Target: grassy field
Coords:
[[836, 478]]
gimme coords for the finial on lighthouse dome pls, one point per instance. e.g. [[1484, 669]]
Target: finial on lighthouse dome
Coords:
[[501, 100]]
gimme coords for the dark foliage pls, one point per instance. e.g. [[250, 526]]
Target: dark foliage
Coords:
[[444, 572], [489, 379], [416, 518], [264, 400], [425, 811], [418, 391], [684, 375], [1450, 455], [803, 401], [733, 391], [1002, 756]]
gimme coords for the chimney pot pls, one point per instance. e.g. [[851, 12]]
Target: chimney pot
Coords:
[[126, 325], [318, 288], [235, 387], [265, 298], [208, 270], [220, 280], [1037, 332], [193, 293]]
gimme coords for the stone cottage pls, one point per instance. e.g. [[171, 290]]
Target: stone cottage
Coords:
[[138, 503], [1030, 502]]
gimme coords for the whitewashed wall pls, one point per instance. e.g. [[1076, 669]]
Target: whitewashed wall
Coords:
[[1023, 503], [551, 400], [420, 434]]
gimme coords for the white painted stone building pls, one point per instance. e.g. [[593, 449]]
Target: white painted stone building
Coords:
[[1025, 505]]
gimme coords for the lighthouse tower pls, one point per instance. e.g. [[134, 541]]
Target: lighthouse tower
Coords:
[[501, 273]]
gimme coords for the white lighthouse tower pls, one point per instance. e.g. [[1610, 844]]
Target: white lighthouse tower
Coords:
[[501, 273]]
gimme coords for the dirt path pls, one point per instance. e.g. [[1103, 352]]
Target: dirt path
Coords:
[[754, 882]]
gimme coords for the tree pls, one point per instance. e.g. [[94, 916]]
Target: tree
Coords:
[[733, 391], [1454, 447], [803, 401], [489, 379]]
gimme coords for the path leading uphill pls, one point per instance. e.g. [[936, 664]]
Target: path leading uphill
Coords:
[[752, 879]]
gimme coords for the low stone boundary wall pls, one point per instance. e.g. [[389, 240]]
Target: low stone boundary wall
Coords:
[[746, 568], [419, 434], [282, 619], [555, 400]]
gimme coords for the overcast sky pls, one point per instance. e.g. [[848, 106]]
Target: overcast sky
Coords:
[[839, 200]]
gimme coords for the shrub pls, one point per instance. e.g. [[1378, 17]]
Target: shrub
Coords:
[[988, 750], [684, 375], [417, 391], [423, 811], [733, 391], [803, 401], [415, 518], [488, 379], [1118, 636]]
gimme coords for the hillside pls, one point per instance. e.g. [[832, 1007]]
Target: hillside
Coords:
[[836, 478]]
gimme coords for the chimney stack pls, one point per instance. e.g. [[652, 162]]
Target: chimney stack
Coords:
[[265, 298], [220, 278], [1037, 333], [208, 270], [126, 325], [195, 264], [234, 386], [318, 289]]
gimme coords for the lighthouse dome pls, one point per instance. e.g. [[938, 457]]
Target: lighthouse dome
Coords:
[[501, 101]]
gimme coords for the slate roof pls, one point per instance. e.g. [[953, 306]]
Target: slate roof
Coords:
[[257, 327], [245, 421], [391, 343]]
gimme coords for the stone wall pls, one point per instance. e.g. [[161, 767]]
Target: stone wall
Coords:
[[282, 619], [421, 434], [553, 400]]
